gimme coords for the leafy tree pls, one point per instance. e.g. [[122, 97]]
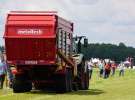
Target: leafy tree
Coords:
[[116, 52]]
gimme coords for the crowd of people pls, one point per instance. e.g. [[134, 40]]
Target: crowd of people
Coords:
[[106, 67]]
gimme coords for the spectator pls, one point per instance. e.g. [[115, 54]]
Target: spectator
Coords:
[[3, 71], [9, 76], [113, 66], [107, 69], [101, 68], [90, 67], [9, 73], [121, 68]]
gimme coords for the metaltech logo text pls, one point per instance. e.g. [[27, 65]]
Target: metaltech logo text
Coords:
[[29, 31]]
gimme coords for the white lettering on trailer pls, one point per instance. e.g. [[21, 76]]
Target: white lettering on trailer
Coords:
[[29, 31], [31, 62]]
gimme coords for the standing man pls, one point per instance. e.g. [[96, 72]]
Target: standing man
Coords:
[[3, 71], [9, 80], [107, 69], [121, 68], [113, 66], [90, 67], [101, 68]]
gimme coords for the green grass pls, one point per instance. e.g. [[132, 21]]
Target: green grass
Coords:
[[114, 88]]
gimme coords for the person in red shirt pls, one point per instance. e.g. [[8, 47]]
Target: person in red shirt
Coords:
[[107, 69], [113, 67]]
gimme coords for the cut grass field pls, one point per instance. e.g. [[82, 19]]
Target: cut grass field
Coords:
[[113, 88]]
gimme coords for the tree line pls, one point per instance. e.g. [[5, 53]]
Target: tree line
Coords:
[[115, 52]]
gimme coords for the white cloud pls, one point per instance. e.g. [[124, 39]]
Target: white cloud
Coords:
[[109, 21], [86, 2]]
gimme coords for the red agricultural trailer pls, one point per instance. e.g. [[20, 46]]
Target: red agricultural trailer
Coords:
[[39, 45]]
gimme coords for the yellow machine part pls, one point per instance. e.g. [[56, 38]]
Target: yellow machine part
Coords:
[[68, 62]]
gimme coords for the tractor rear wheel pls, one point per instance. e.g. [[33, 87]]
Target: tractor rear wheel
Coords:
[[86, 79]]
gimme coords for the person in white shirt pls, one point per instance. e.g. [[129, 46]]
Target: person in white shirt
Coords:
[[90, 67], [3, 71], [101, 68], [121, 69]]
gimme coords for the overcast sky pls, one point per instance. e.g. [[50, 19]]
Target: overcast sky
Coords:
[[102, 21]]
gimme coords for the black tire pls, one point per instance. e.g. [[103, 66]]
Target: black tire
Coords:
[[86, 81], [82, 81], [75, 86], [65, 82], [69, 80], [81, 77], [21, 84], [17, 88]]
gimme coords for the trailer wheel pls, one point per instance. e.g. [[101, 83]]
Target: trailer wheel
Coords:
[[65, 82], [17, 88], [67, 86], [21, 85]]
